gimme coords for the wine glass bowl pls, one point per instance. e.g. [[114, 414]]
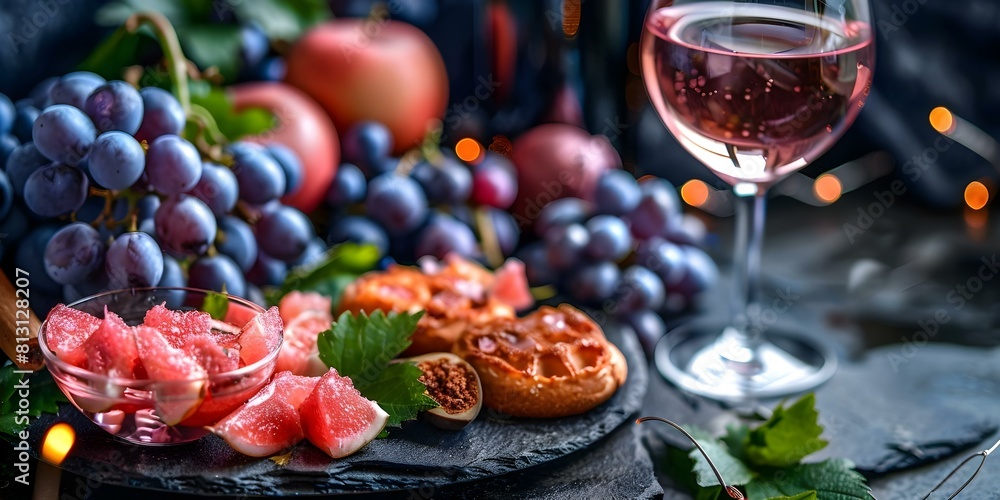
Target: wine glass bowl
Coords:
[[755, 90]]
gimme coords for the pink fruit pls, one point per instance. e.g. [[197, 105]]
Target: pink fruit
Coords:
[[300, 341], [66, 329], [238, 315], [211, 356], [269, 422], [111, 349], [337, 419], [295, 303], [511, 285], [184, 380], [261, 336], [178, 326]]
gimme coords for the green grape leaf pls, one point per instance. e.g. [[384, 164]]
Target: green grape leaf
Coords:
[[833, 479], [216, 305], [790, 434]]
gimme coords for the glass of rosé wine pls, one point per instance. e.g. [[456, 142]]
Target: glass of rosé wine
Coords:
[[755, 90]]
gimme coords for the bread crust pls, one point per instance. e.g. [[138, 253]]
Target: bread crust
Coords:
[[554, 362]]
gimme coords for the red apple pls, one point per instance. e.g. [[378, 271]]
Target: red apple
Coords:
[[368, 69], [558, 161], [304, 128]]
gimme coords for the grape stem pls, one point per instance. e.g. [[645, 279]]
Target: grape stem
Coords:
[[488, 234], [176, 63]]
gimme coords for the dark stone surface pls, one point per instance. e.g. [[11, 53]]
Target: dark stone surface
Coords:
[[416, 457]]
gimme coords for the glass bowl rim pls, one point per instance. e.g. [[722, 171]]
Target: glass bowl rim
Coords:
[[50, 357]]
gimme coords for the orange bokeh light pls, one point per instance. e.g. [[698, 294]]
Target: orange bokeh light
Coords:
[[694, 192], [468, 149], [57, 443], [942, 120], [976, 195], [828, 188]]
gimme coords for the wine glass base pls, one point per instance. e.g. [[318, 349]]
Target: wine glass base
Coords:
[[784, 363]]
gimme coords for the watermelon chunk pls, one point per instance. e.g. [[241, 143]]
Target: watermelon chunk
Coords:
[[295, 303], [111, 349], [261, 336], [269, 422], [66, 329], [300, 340], [177, 326], [184, 379], [337, 419], [511, 285], [211, 356]]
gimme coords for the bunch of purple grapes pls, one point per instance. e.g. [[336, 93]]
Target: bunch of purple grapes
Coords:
[[410, 208], [630, 253], [110, 195]]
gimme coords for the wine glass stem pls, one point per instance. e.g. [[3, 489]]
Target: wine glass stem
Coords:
[[751, 201]]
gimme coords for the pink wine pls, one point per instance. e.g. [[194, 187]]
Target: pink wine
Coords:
[[754, 91]]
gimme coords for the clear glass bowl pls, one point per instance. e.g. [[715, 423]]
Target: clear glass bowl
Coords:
[[131, 409]]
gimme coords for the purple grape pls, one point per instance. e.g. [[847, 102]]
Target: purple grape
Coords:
[[617, 193], [290, 165], [536, 264], [562, 212], [639, 289], [173, 165], [284, 233], [74, 254], [267, 271], [507, 232], [494, 183], [254, 44], [315, 252], [73, 88], [236, 240], [185, 225], [609, 238], [564, 246], [64, 134], [28, 249], [146, 206], [116, 161], [356, 229], [6, 196], [593, 283], [657, 210], [700, 274], [56, 190], [217, 187], [217, 272], [7, 114], [173, 275], [259, 176], [24, 120], [271, 69], [8, 143], [255, 295], [40, 94], [444, 235], [365, 144], [115, 105], [663, 258], [689, 230], [396, 202], [648, 326], [134, 260], [448, 183], [348, 187], [23, 162], [162, 114]]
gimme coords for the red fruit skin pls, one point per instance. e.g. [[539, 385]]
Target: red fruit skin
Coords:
[[503, 33], [66, 329], [557, 161], [304, 127], [360, 70]]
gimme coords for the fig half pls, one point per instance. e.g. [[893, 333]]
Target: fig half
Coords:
[[454, 385]]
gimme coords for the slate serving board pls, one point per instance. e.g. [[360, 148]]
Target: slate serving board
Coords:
[[415, 458]]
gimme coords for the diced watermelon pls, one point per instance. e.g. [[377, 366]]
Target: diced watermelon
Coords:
[[337, 419], [299, 342], [178, 326], [261, 336], [269, 422], [211, 356], [295, 303], [66, 329], [511, 285], [111, 349], [175, 400]]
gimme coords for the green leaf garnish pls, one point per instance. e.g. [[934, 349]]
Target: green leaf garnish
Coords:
[[43, 397], [361, 347], [731, 467], [788, 436], [232, 124], [833, 479], [331, 275], [216, 305]]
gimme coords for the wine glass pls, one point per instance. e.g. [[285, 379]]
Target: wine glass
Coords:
[[755, 90]]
